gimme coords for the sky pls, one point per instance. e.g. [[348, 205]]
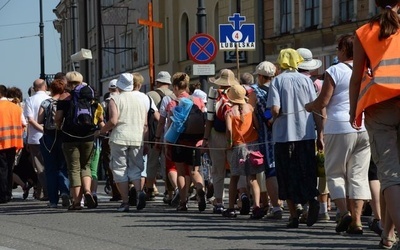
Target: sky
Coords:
[[20, 43]]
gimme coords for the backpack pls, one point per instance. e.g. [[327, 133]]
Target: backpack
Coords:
[[151, 122], [50, 108], [222, 105], [81, 112], [195, 121]]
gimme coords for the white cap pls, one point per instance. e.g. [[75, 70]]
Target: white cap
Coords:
[[112, 84]]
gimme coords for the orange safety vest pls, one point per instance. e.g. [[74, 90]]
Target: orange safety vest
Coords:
[[11, 129], [381, 80]]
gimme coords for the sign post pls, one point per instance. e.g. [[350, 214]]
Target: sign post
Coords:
[[237, 36]]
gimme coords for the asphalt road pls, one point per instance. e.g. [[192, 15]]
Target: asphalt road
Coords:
[[29, 224]]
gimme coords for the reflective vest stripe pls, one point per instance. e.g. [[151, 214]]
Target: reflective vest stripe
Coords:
[[10, 128], [3, 138]]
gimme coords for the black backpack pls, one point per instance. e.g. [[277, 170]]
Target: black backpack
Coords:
[[151, 122], [81, 111], [195, 121], [50, 107]]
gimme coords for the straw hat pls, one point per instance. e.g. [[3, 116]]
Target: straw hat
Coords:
[[237, 94], [226, 78]]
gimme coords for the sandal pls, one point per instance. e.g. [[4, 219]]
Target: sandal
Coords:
[[75, 207], [91, 203], [354, 229], [390, 242]]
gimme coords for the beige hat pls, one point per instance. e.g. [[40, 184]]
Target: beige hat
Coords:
[[237, 94], [74, 76], [266, 69], [125, 82], [309, 63], [226, 78]]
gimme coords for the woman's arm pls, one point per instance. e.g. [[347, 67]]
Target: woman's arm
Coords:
[[324, 97], [228, 121], [359, 61]]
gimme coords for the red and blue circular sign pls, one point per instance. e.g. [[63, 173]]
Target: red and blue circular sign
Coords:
[[202, 48]]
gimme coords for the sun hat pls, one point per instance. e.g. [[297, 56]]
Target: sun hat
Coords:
[[112, 84], [226, 78], [164, 77], [74, 76], [289, 59], [265, 68], [125, 82], [309, 63], [237, 94]]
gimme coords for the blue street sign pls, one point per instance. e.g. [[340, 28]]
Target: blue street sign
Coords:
[[202, 48], [237, 34]]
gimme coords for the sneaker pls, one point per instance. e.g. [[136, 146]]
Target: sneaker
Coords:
[[257, 213], [293, 223], [218, 209], [52, 205], [277, 215], [374, 225], [115, 198], [201, 196], [324, 217], [176, 198], [344, 223], [182, 207], [65, 200], [141, 201], [245, 209], [124, 207], [132, 197], [313, 211], [230, 213]]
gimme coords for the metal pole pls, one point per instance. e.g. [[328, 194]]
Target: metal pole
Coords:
[[41, 35], [74, 7], [201, 28]]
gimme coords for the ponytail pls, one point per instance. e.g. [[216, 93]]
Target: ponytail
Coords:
[[388, 20]]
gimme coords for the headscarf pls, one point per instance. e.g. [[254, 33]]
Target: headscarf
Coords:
[[289, 59]]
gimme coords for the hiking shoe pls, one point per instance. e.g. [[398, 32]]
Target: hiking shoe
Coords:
[[132, 197], [124, 207], [230, 213], [374, 225], [344, 223], [96, 202], [324, 217], [201, 195], [257, 213], [90, 202], [313, 211], [293, 223], [218, 209], [65, 200], [210, 190], [176, 198], [182, 207], [245, 209], [141, 201], [277, 215]]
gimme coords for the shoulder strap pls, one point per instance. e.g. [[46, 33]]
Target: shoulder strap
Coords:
[[160, 93], [348, 65]]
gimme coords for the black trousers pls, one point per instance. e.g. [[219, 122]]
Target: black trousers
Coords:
[[7, 158]]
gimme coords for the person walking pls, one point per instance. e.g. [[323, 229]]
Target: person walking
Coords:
[[374, 92], [347, 151], [11, 131]]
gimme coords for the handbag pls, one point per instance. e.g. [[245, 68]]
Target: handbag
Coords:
[[255, 158]]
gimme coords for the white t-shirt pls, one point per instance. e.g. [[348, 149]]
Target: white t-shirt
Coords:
[[145, 99], [31, 110], [338, 107]]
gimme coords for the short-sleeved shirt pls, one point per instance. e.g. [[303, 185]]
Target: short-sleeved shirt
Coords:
[[31, 109], [291, 91]]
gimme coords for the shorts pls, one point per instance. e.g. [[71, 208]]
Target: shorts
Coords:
[[238, 163], [188, 155]]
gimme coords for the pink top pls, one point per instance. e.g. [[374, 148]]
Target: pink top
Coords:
[[196, 100]]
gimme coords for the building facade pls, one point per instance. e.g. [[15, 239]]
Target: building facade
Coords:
[[110, 29]]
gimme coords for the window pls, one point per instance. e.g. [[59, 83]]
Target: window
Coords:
[[286, 16], [346, 10], [129, 52], [311, 14], [184, 37], [122, 52], [111, 60], [143, 46]]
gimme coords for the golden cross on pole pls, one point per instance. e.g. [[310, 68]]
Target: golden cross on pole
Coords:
[[151, 25]]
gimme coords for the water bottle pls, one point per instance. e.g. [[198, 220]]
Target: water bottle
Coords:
[[206, 165]]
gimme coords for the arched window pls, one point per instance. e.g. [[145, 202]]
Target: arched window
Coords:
[[184, 37]]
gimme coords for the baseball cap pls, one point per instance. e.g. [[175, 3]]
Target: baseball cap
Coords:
[[112, 84]]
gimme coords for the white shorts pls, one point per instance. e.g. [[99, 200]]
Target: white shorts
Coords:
[[126, 162]]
